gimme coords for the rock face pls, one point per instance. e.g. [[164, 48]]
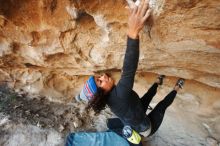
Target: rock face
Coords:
[[49, 47], [80, 37], [46, 37]]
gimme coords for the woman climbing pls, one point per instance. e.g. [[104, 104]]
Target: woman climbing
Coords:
[[100, 90]]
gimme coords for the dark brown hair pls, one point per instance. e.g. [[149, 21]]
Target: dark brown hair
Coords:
[[98, 101]]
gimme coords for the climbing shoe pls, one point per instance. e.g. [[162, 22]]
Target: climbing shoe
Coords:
[[180, 83], [160, 78]]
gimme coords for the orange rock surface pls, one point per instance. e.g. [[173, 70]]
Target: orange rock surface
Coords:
[[46, 42]]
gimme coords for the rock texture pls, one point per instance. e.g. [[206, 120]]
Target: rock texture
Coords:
[[41, 38], [25, 120], [49, 47]]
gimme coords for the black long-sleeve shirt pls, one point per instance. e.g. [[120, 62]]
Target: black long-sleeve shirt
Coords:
[[123, 101]]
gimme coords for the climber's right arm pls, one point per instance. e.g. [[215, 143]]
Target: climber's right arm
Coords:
[[137, 17]]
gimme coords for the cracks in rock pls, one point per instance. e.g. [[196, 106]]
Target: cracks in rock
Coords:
[[99, 22], [53, 6], [50, 5], [67, 39], [73, 12], [207, 28], [148, 26], [36, 38], [62, 37], [157, 7], [182, 68], [81, 57], [191, 73], [107, 70], [188, 4], [29, 65], [15, 47], [102, 23], [3, 21]]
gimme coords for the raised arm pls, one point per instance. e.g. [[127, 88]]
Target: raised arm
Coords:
[[137, 17]]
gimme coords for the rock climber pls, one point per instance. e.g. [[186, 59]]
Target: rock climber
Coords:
[[124, 102]]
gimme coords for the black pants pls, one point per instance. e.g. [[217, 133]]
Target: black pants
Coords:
[[156, 115]]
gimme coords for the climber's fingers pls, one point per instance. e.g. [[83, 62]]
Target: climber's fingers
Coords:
[[145, 7], [140, 6], [147, 14], [131, 6]]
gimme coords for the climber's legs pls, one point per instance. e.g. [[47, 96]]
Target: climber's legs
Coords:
[[157, 114], [146, 99]]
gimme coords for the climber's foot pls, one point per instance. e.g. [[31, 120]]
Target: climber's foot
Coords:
[[160, 79], [179, 84]]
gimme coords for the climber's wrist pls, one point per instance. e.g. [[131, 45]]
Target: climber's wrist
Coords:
[[133, 34]]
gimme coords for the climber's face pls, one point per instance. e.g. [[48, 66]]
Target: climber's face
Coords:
[[104, 81]]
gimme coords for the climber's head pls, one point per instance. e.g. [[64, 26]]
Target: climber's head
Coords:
[[95, 90], [105, 82]]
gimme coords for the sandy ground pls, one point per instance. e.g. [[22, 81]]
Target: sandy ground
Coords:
[[36, 121]]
